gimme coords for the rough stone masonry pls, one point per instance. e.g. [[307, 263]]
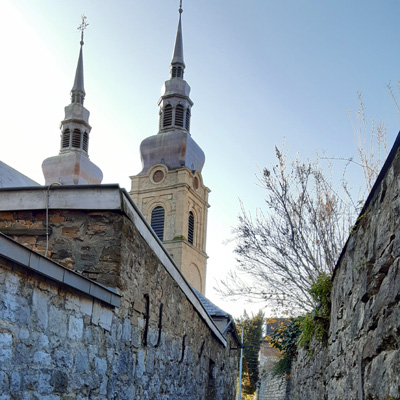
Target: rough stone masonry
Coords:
[[362, 359], [58, 341]]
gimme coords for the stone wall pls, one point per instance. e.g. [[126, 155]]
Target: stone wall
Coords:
[[362, 359], [270, 387], [57, 344]]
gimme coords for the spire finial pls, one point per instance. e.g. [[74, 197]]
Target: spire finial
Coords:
[[84, 25], [180, 7]]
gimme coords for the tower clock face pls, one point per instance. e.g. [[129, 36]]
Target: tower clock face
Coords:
[[158, 176]]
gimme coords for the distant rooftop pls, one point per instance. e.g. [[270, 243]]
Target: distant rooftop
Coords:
[[9, 177]]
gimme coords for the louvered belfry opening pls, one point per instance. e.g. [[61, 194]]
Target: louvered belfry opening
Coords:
[[66, 138], [177, 72], [85, 146], [179, 114], [167, 118], [157, 221], [187, 121], [76, 139], [191, 228]]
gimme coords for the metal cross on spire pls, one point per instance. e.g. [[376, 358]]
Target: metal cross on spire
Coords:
[[180, 7], [83, 26]]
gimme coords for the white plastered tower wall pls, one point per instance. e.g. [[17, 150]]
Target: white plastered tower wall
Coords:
[[171, 182], [179, 192]]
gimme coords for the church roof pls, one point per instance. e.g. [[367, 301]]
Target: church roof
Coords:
[[210, 307], [10, 177]]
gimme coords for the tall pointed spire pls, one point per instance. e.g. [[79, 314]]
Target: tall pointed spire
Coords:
[[78, 90], [177, 56], [173, 145], [72, 166]]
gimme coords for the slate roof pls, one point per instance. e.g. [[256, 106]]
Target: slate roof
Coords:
[[211, 308], [9, 177]]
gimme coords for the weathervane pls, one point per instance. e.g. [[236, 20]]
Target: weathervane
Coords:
[[180, 7], [84, 25]]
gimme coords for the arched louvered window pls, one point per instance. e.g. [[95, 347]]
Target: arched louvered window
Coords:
[[85, 142], [167, 120], [179, 72], [157, 221], [191, 228], [187, 121], [179, 113], [66, 138], [76, 139], [174, 72]]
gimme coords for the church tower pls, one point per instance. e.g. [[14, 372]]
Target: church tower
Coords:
[[169, 190], [72, 166]]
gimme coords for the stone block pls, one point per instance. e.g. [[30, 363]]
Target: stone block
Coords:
[[42, 358], [4, 382], [81, 360], [71, 232], [56, 219], [102, 316], [75, 328], [6, 343], [39, 308]]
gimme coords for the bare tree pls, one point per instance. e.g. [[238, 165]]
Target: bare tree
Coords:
[[283, 250], [371, 143]]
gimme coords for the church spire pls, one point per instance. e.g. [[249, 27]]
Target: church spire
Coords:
[[78, 90], [72, 166], [173, 145], [177, 62]]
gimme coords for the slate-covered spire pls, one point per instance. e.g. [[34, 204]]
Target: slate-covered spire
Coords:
[[72, 166], [78, 90], [177, 62]]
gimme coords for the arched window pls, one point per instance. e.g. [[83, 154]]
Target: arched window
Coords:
[[179, 113], [76, 139], [191, 228], [167, 120], [157, 221], [85, 142], [65, 138], [187, 122], [174, 72]]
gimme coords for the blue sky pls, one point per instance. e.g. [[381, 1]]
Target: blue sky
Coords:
[[262, 72]]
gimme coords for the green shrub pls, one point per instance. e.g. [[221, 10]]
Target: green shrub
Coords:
[[316, 323], [285, 339]]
